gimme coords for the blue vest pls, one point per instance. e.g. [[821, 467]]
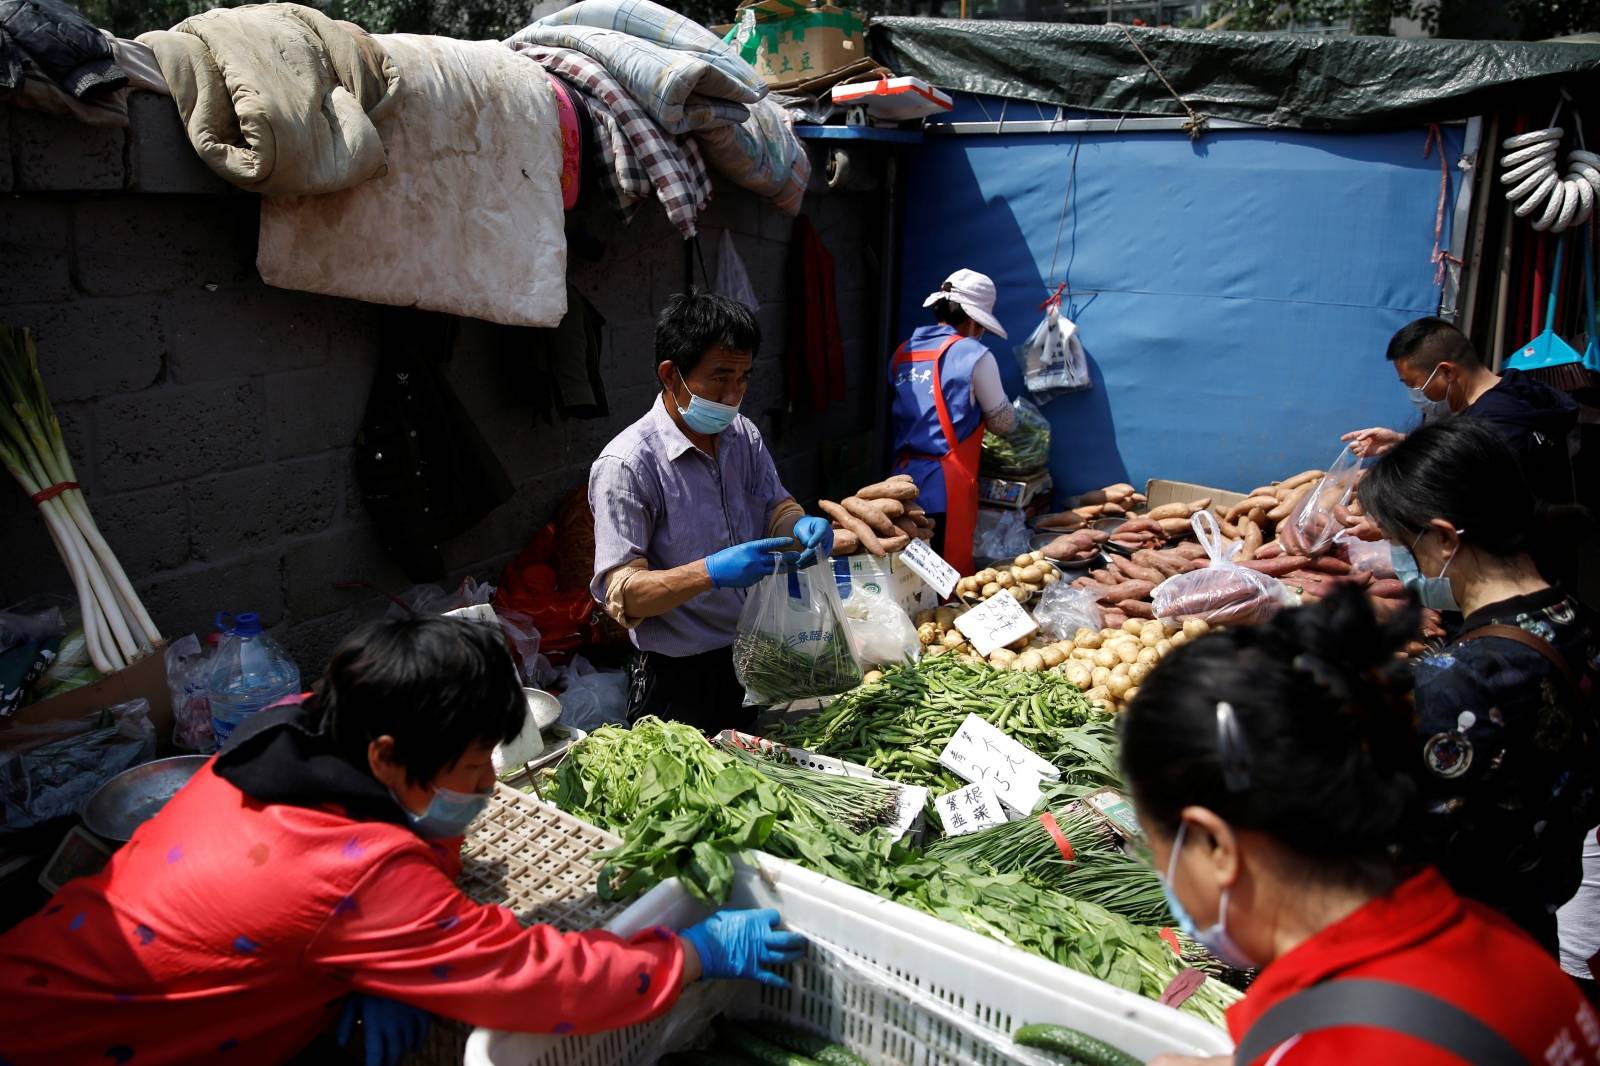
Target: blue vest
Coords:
[[917, 432]]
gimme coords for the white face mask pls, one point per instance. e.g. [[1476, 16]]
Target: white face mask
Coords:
[[1432, 410]]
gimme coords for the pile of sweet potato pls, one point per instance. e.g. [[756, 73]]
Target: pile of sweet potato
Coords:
[[879, 519]]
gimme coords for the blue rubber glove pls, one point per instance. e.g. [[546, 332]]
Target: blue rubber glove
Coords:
[[816, 536], [744, 944], [391, 1028], [743, 565]]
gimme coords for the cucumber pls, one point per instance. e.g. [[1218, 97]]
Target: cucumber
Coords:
[[1075, 1045], [735, 1039], [815, 1045]]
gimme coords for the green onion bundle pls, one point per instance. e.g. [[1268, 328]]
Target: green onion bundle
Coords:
[[774, 673], [1027, 845], [116, 627], [857, 803]]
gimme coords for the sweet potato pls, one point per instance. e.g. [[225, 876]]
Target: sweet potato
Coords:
[[1329, 564], [895, 543], [1198, 505], [1278, 567], [1065, 522], [1139, 572], [881, 523], [1112, 510], [1136, 609], [1188, 550], [1091, 511], [1126, 590], [1068, 545], [844, 519], [1305, 477], [845, 542], [1251, 539], [1113, 619], [1290, 503], [1175, 527], [1270, 550], [908, 527], [899, 488], [1140, 524], [1164, 564], [1169, 510], [1248, 504]]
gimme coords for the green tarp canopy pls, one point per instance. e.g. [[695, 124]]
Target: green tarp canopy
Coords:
[[1276, 79]]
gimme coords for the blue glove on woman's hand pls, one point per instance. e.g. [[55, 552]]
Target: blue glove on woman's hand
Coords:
[[743, 565], [391, 1028], [744, 944], [816, 536]]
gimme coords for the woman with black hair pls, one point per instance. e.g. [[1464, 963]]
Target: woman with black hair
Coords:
[[313, 862], [1272, 770], [1505, 717]]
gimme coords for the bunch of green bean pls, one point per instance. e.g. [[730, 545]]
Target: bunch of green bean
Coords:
[[1025, 451], [898, 726], [775, 673]]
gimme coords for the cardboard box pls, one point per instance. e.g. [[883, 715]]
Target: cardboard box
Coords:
[[887, 575], [792, 43], [145, 679], [1160, 492]]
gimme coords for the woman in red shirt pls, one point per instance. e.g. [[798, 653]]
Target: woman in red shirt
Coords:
[[314, 861], [1274, 778]]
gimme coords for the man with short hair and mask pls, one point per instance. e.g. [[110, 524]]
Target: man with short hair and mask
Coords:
[[689, 512], [1443, 376]]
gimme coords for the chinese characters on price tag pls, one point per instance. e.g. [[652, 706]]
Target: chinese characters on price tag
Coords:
[[981, 753], [996, 622], [930, 566], [968, 810]]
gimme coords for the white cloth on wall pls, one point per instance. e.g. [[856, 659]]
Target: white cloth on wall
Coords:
[[468, 219]]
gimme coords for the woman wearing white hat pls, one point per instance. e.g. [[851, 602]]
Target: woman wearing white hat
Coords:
[[946, 392]]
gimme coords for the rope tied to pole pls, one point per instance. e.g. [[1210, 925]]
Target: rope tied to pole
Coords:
[[1197, 121]]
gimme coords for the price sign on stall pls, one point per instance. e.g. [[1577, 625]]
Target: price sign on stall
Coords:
[[982, 754], [930, 566], [968, 810], [996, 622]]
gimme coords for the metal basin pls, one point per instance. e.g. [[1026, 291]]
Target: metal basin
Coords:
[[133, 797]]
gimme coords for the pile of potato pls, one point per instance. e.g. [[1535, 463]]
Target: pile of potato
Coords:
[[1022, 579], [1107, 665]]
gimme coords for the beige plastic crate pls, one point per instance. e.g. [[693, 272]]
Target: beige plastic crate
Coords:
[[537, 861]]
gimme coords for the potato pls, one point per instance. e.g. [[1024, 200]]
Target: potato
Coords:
[[1083, 631], [990, 589], [872, 677], [1028, 588], [1148, 656], [1133, 625], [1178, 639], [1163, 646], [1002, 657], [1138, 672], [927, 632], [1106, 657], [1120, 670], [1151, 639], [924, 617], [953, 639], [1087, 638], [1118, 686], [1127, 697], [1195, 627], [1067, 647], [1099, 675], [1020, 644], [1022, 560], [1051, 655], [934, 650], [1110, 634], [987, 574], [1006, 579], [1030, 662], [1151, 632], [1032, 573], [967, 586], [1098, 695], [1128, 651], [1051, 576], [1078, 674], [1037, 556], [946, 616]]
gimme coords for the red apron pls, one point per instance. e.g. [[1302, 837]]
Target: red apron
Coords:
[[958, 464]]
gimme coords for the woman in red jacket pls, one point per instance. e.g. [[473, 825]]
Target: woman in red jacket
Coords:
[[316, 859], [1274, 778]]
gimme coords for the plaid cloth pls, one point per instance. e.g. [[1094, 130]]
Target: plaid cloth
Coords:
[[645, 155], [678, 71]]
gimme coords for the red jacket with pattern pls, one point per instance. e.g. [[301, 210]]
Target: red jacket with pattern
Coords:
[[227, 930]]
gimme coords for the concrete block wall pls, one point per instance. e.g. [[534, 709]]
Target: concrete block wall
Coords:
[[211, 417]]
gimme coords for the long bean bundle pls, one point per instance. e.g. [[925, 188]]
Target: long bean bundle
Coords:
[[898, 726], [116, 626], [775, 673], [1027, 845], [857, 803]]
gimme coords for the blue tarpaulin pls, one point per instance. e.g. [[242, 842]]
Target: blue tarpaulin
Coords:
[[1235, 294]]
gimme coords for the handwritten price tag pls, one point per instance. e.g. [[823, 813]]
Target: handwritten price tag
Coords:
[[982, 754], [930, 566], [968, 810], [996, 622]]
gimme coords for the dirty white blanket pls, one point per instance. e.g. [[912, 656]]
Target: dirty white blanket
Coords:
[[468, 218]]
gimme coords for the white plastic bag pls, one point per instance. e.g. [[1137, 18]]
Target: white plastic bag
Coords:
[[188, 680], [884, 634], [733, 281], [1313, 525], [1223, 593], [1001, 534], [1052, 358], [595, 699], [793, 643], [1063, 610]]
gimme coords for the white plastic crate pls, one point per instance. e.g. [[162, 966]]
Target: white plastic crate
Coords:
[[991, 988]]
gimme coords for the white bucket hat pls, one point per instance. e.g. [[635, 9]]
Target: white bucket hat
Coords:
[[974, 292]]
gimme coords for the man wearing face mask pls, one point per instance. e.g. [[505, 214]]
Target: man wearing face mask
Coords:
[[689, 512], [313, 865], [1443, 375]]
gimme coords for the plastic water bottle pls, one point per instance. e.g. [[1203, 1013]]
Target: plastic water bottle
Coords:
[[250, 673]]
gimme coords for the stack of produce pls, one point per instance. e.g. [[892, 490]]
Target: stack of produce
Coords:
[[1022, 579], [1113, 501], [879, 519]]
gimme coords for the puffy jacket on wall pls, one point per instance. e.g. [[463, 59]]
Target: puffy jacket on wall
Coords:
[[60, 42]]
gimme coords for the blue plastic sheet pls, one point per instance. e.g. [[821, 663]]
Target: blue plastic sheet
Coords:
[[1235, 295]]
